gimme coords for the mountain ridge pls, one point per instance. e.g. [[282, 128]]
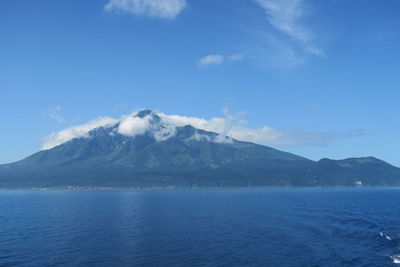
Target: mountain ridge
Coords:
[[156, 154]]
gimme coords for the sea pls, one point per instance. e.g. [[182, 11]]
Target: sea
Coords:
[[201, 227]]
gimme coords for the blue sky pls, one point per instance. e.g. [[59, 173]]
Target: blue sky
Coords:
[[322, 73]]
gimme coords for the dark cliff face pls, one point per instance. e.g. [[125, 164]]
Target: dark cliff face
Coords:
[[189, 157]]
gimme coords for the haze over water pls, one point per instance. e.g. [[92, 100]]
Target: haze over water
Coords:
[[221, 227]]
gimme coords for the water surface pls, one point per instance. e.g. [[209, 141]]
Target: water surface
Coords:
[[221, 227]]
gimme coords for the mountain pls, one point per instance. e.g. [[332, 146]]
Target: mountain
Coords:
[[146, 151]]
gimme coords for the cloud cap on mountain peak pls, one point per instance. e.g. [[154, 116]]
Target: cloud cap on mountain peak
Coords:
[[139, 123]]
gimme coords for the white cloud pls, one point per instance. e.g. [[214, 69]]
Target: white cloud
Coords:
[[284, 15], [218, 125], [181, 121], [218, 59], [57, 138], [211, 60], [132, 126], [232, 126], [166, 9]]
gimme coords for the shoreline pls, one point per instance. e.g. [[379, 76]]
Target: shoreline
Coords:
[[176, 188]]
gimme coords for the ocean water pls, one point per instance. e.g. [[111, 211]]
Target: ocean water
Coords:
[[215, 227]]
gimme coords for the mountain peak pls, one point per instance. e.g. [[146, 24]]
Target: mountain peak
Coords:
[[145, 112], [152, 117]]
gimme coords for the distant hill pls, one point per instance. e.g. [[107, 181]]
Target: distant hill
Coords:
[[184, 156]]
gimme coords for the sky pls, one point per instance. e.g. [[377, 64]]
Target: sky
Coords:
[[315, 78]]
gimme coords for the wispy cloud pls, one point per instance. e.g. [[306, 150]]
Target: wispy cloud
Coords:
[[235, 57], [231, 126], [58, 138], [216, 59], [166, 9], [54, 113], [280, 138], [316, 107], [284, 15], [315, 51], [235, 126], [293, 42]]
